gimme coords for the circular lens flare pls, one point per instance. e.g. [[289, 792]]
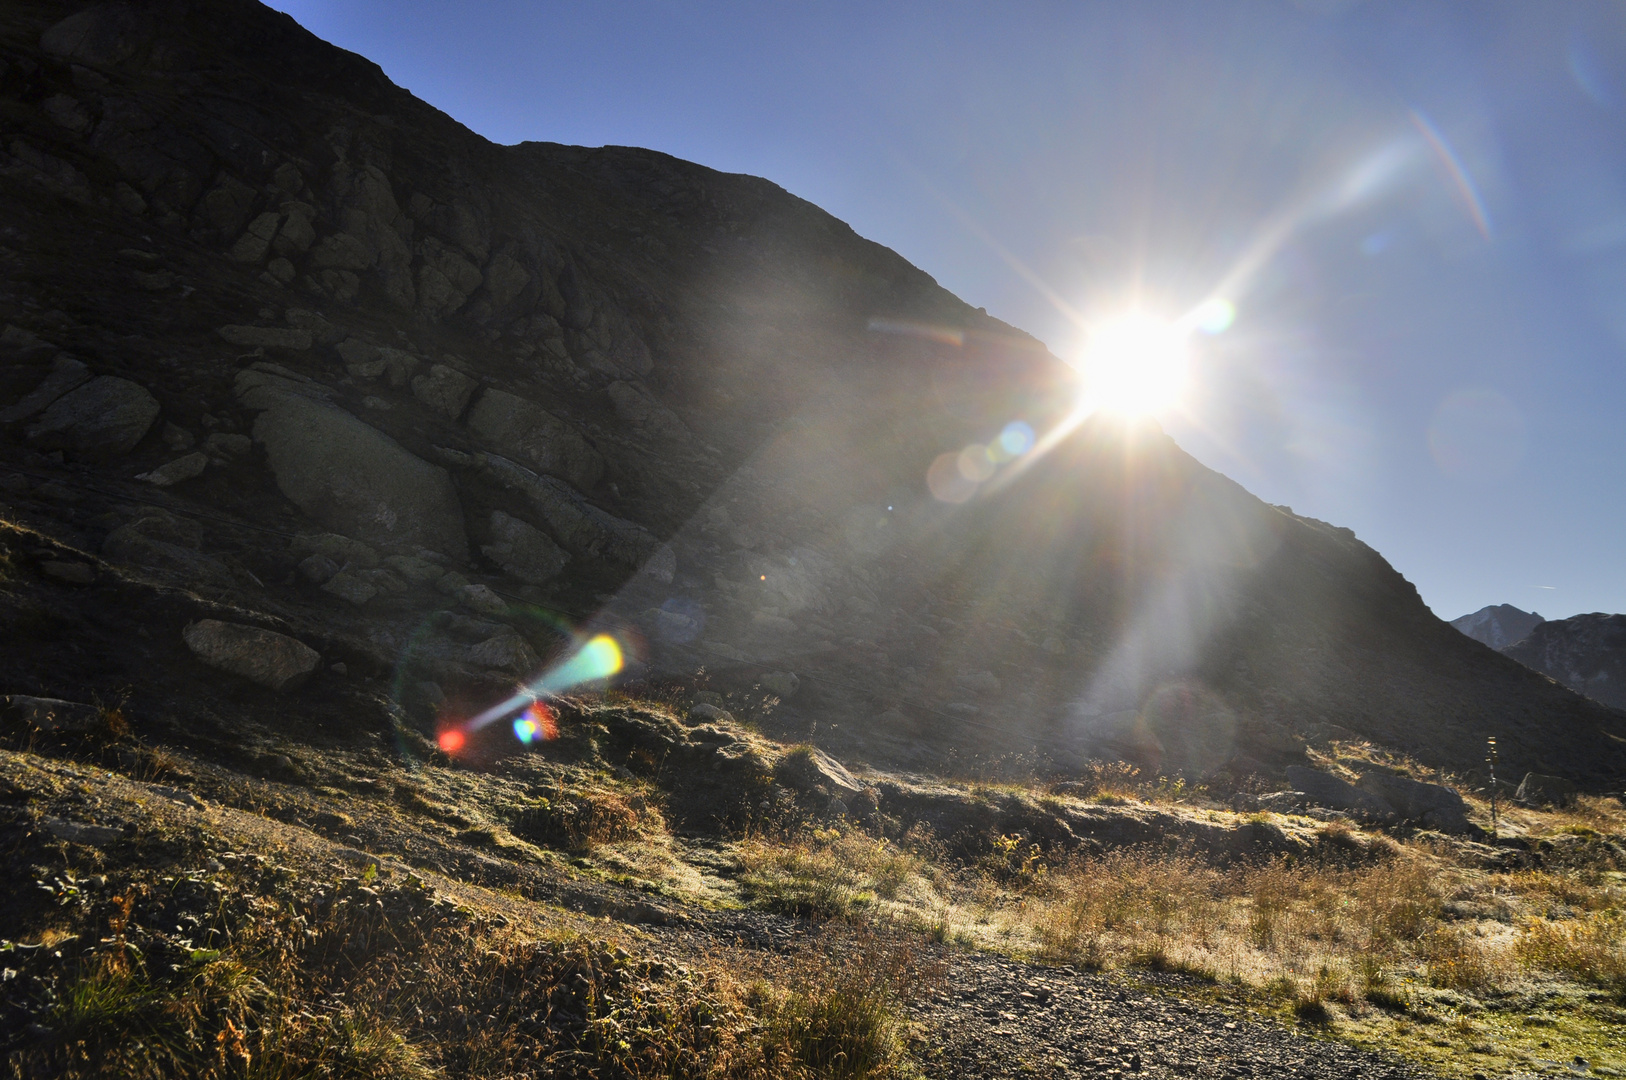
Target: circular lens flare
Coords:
[[1134, 365], [452, 740]]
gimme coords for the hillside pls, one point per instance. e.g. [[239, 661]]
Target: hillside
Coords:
[[288, 348]]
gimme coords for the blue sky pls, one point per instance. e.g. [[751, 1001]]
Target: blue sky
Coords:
[[1419, 212]]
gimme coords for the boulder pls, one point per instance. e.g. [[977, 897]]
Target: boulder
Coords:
[[341, 549], [709, 712], [158, 540], [102, 419], [781, 684], [318, 569], [66, 374], [182, 468], [222, 445], [263, 656], [807, 767], [355, 479], [418, 571], [445, 390], [53, 714], [22, 346], [1330, 791], [1539, 789], [523, 551], [1432, 805], [646, 416], [351, 586], [524, 430], [293, 338], [578, 525]]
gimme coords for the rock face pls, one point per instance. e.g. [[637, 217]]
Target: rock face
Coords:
[[358, 481], [1381, 796], [1499, 625], [1335, 793], [807, 768], [1587, 653], [523, 551], [103, 419], [66, 374], [266, 657], [1538, 790], [524, 430], [445, 390]]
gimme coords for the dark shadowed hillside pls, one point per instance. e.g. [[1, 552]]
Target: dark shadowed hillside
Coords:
[[288, 348]]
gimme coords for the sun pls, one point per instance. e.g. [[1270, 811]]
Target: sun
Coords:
[[1133, 366]]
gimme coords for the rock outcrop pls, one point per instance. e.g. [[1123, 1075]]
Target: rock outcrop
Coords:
[[350, 476], [273, 660]]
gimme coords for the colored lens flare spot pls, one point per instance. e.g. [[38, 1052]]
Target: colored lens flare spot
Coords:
[[537, 723], [452, 740]]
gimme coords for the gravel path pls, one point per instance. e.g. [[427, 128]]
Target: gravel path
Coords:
[[990, 1017], [1002, 1018]]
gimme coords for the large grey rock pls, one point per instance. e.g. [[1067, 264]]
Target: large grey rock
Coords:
[[1539, 789], [263, 656], [445, 390], [352, 477], [807, 767], [1335, 793], [1433, 805], [182, 468], [341, 549], [102, 419], [645, 415], [577, 524], [66, 374], [293, 338], [523, 429], [523, 551]]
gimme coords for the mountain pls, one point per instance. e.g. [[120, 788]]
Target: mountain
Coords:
[[1587, 653], [288, 349], [1498, 625]]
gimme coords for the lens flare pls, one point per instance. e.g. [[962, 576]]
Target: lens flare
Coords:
[[1213, 316], [975, 464], [1134, 365], [598, 658], [1016, 438], [452, 740]]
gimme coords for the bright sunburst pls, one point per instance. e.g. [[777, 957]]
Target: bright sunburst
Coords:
[[1134, 365]]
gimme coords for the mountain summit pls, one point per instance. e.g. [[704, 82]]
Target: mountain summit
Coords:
[[1498, 625]]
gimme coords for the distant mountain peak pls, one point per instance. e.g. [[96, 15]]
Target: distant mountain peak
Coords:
[[1498, 625]]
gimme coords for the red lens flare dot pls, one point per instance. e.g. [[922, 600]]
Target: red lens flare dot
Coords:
[[452, 739]]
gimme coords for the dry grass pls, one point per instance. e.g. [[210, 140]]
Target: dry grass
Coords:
[[823, 873], [365, 979]]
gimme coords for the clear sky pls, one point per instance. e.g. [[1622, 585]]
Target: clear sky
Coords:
[[1418, 211]]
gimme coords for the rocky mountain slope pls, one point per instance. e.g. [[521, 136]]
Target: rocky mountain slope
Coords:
[[287, 349], [1587, 653], [1498, 625]]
